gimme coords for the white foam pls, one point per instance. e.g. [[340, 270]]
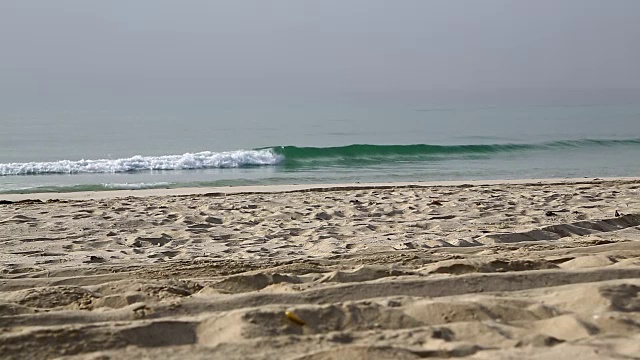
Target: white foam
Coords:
[[188, 161], [136, 186]]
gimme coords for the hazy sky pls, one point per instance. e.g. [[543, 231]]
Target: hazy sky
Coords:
[[298, 46]]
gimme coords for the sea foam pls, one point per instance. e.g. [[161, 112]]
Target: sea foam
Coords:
[[136, 186], [188, 161]]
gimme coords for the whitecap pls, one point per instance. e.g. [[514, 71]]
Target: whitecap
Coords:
[[187, 161]]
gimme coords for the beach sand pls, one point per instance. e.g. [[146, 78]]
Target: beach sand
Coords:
[[480, 270]]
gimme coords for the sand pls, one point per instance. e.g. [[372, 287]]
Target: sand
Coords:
[[479, 270]]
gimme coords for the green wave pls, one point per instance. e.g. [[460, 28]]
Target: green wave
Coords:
[[366, 153]]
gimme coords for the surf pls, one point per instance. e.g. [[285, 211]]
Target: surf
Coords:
[[293, 157], [187, 161]]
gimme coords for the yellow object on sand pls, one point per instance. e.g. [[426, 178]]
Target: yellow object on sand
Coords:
[[291, 316]]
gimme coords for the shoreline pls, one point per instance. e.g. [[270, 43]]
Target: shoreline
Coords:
[[267, 189]]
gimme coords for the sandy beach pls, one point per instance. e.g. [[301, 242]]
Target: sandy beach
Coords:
[[528, 269]]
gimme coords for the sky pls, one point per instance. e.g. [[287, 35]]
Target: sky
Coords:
[[69, 48]]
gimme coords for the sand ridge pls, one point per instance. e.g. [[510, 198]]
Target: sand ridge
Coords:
[[467, 270]]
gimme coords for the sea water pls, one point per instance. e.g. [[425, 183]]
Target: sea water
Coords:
[[266, 141]]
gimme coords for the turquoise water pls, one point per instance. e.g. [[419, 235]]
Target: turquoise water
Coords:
[[244, 142]]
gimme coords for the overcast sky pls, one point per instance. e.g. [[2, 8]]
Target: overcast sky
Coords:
[[298, 46]]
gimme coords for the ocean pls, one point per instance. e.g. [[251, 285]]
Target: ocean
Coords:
[[254, 142]]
